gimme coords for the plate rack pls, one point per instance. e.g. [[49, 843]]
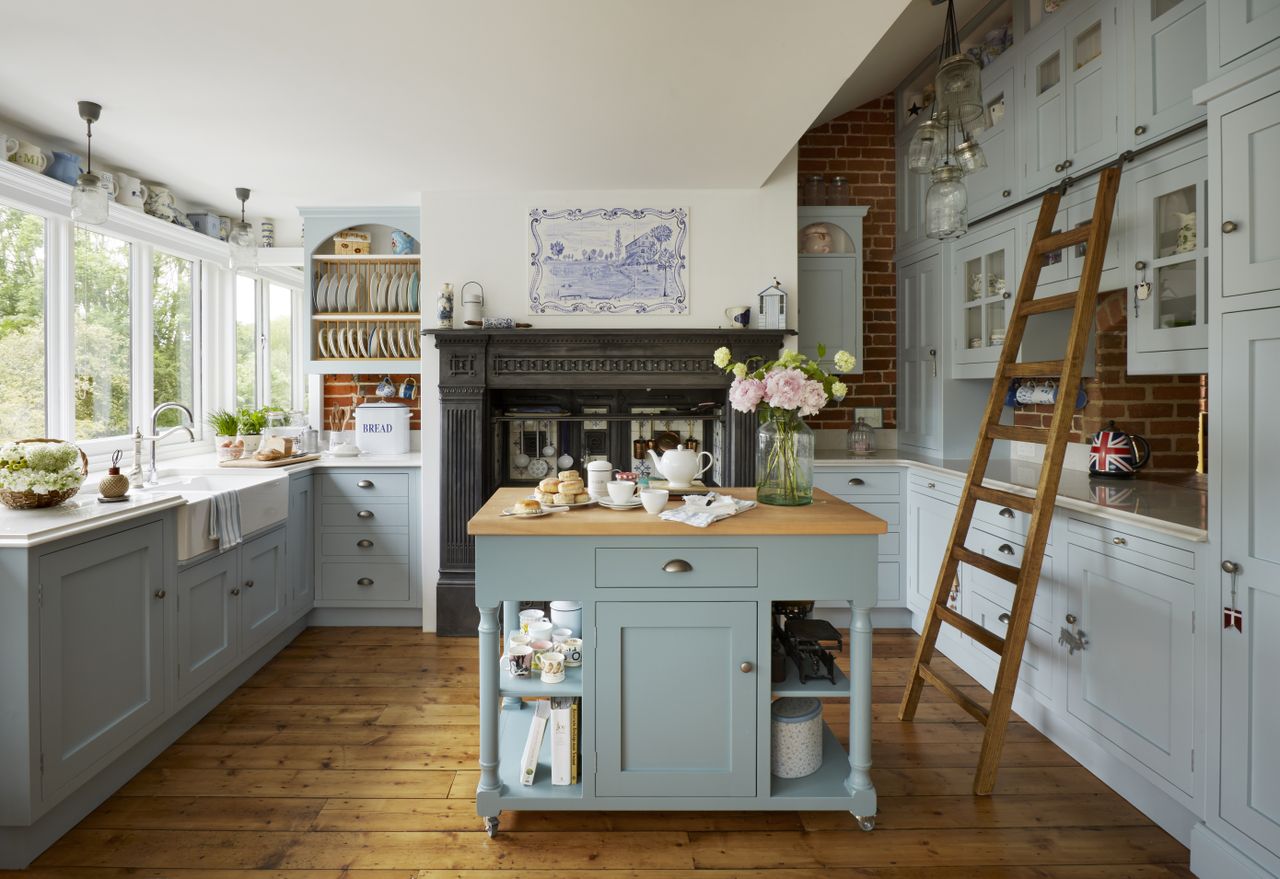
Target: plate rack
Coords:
[[366, 307]]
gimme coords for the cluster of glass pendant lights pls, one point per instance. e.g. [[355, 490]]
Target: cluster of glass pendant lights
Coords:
[[943, 146], [90, 202]]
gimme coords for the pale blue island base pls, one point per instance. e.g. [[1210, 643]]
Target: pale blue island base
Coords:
[[675, 686]]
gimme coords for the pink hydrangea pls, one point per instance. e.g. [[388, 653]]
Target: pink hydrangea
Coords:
[[745, 394], [784, 388]]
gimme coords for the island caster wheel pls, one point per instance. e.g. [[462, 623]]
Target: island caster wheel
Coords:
[[866, 822], [491, 826]]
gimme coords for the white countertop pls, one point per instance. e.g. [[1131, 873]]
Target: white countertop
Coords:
[[24, 528], [1177, 510]]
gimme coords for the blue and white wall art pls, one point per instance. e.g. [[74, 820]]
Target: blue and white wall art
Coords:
[[608, 261]]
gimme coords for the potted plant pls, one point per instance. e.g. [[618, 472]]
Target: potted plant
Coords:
[[783, 393], [226, 426]]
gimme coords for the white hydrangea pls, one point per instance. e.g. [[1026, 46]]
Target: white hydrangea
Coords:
[[722, 357], [845, 362], [40, 467]]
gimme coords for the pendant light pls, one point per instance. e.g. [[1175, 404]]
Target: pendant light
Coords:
[[89, 202], [244, 249]]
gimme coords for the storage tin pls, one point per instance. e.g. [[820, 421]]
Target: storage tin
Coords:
[[796, 750]]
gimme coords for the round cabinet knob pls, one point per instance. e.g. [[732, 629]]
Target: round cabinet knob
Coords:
[[1067, 164], [1071, 619], [364, 544], [1231, 567], [160, 593], [365, 483], [677, 566], [364, 581], [1140, 130], [746, 668], [1006, 549], [1229, 226], [365, 514], [933, 485], [1058, 167], [1006, 193], [1140, 265], [1119, 541], [248, 584], [1006, 512], [856, 481], [235, 591]]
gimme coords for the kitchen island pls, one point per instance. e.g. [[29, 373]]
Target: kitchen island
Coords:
[[674, 685]]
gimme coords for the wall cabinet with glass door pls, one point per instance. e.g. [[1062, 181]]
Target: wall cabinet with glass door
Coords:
[[1169, 62], [980, 293], [829, 310], [1168, 299], [1069, 110]]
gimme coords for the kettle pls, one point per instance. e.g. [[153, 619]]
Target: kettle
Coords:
[[1112, 452]]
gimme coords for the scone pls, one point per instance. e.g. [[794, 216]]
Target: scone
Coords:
[[526, 507], [570, 474], [571, 488], [581, 498], [562, 499], [550, 485]]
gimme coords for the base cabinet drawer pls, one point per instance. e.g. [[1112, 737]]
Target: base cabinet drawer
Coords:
[[364, 486], [1037, 656], [361, 515], [372, 543], [858, 482], [360, 581]]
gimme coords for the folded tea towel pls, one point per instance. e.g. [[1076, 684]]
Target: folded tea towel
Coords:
[[224, 518], [701, 510]]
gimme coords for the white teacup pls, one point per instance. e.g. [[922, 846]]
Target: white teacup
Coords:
[[654, 500], [621, 491]]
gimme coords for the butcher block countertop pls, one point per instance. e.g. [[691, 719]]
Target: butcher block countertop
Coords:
[[826, 515]]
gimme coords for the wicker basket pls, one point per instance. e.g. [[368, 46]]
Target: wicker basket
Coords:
[[29, 500]]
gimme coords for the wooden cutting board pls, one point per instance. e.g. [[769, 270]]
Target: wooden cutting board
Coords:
[[251, 463]]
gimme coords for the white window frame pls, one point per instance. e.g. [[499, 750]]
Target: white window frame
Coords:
[[262, 280]]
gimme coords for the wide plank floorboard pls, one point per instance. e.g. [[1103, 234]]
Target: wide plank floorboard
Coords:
[[352, 755]]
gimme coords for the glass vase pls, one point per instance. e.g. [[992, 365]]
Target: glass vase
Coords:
[[784, 461]]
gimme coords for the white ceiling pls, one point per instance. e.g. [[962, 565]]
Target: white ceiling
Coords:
[[327, 102]]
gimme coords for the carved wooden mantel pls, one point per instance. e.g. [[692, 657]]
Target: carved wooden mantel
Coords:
[[474, 362]]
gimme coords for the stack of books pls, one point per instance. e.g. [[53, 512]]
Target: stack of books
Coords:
[[563, 716]]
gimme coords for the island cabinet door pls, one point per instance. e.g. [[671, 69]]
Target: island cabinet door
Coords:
[[676, 690]]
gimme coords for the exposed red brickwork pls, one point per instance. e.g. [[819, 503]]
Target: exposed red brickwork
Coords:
[[859, 147], [1165, 409], [339, 388]]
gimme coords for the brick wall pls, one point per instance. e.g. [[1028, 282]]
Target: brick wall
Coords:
[[1165, 409], [859, 147], [338, 390]]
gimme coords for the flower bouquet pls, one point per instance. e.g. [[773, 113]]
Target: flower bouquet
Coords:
[[783, 393], [39, 473]]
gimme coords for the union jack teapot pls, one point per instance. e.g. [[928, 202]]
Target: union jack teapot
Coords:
[[1112, 452]]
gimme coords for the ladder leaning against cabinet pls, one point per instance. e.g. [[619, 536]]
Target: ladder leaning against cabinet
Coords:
[[1094, 235]]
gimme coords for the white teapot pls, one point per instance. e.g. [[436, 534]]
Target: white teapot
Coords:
[[679, 466]]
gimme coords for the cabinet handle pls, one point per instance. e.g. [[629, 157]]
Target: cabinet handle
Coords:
[[1067, 164], [1006, 512], [1004, 618], [933, 485], [1006, 549], [1140, 130], [1058, 167], [248, 584], [856, 481], [1119, 541], [364, 544], [364, 581], [1071, 619], [1229, 226], [677, 566], [1140, 265], [1231, 567], [365, 483], [1006, 193], [365, 514], [160, 593], [746, 668], [235, 591]]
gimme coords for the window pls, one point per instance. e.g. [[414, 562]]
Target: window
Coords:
[[22, 292], [103, 336], [280, 345], [265, 365], [246, 342], [173, 332]]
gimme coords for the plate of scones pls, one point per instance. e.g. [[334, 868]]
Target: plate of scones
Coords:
[[565, 489]]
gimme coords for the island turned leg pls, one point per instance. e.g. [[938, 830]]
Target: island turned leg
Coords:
[[488, 698], [860, 702], [510, 623]]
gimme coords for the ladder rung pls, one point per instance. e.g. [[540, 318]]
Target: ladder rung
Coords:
[[989, 640], [1033, 369], [1004, 498], [1078, 235], [975, 710], [1018, 433], [990, 565], [1061, 302]]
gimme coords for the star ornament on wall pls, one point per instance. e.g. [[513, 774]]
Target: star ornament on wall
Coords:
[[914, 109]]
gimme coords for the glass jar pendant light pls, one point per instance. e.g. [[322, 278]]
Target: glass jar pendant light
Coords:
[[244, 248], [89, 201], [946, 207]]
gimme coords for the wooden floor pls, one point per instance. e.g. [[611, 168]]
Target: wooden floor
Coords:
[[353, 754]]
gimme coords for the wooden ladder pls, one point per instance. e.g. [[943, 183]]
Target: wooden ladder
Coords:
[[1094, 235]]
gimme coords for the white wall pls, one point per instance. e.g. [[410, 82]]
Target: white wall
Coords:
[[739, 240]]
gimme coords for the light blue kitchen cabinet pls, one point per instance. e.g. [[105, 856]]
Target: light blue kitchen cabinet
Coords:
[[695, 739], [1241, 30], [368, 540], [1169, 62], [921, 346], [998, 184], [829, 292], [1248, 144], [984, 277], [208, 621], [929, 521], [101, 649], [263, 590], [911, 189], [878, 492], [1165, 212], [300, 546], [1134, 684]]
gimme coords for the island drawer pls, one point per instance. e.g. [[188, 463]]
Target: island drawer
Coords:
[[355, 514], [364, 581], [364, 543], [361, 486], [858, 482], [685, 567]]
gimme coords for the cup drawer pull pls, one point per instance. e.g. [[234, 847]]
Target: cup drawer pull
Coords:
[[1004, 618], [1006, 512], [857, 481], [1006, 549], [365, 543], [365, 581], [365, 514], [677, 566], [365, 483]]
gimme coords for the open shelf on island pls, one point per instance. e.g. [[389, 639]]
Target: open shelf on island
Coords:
[[817, 688], [513, 731], [532, 687], [828, 781]]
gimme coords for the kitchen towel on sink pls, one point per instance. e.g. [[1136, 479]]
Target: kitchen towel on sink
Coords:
[[224, 518], [718, 506]]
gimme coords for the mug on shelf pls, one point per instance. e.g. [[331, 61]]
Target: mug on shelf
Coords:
[[528, 616], [30, 156], [571, 648], [1046, 392], [552, 667], [131, 192], [8, 146], [540, 630], [739, 316], [1024, 393], [539, 647], [520, 660]]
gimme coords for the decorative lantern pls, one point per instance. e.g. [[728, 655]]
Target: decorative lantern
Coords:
[[773, 307], [946, 207], [928, 144], [861, 439]]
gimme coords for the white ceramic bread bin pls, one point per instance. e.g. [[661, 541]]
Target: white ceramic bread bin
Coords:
[[382, 428]]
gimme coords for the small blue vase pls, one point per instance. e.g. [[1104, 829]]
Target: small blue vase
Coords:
[[64, 167]]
